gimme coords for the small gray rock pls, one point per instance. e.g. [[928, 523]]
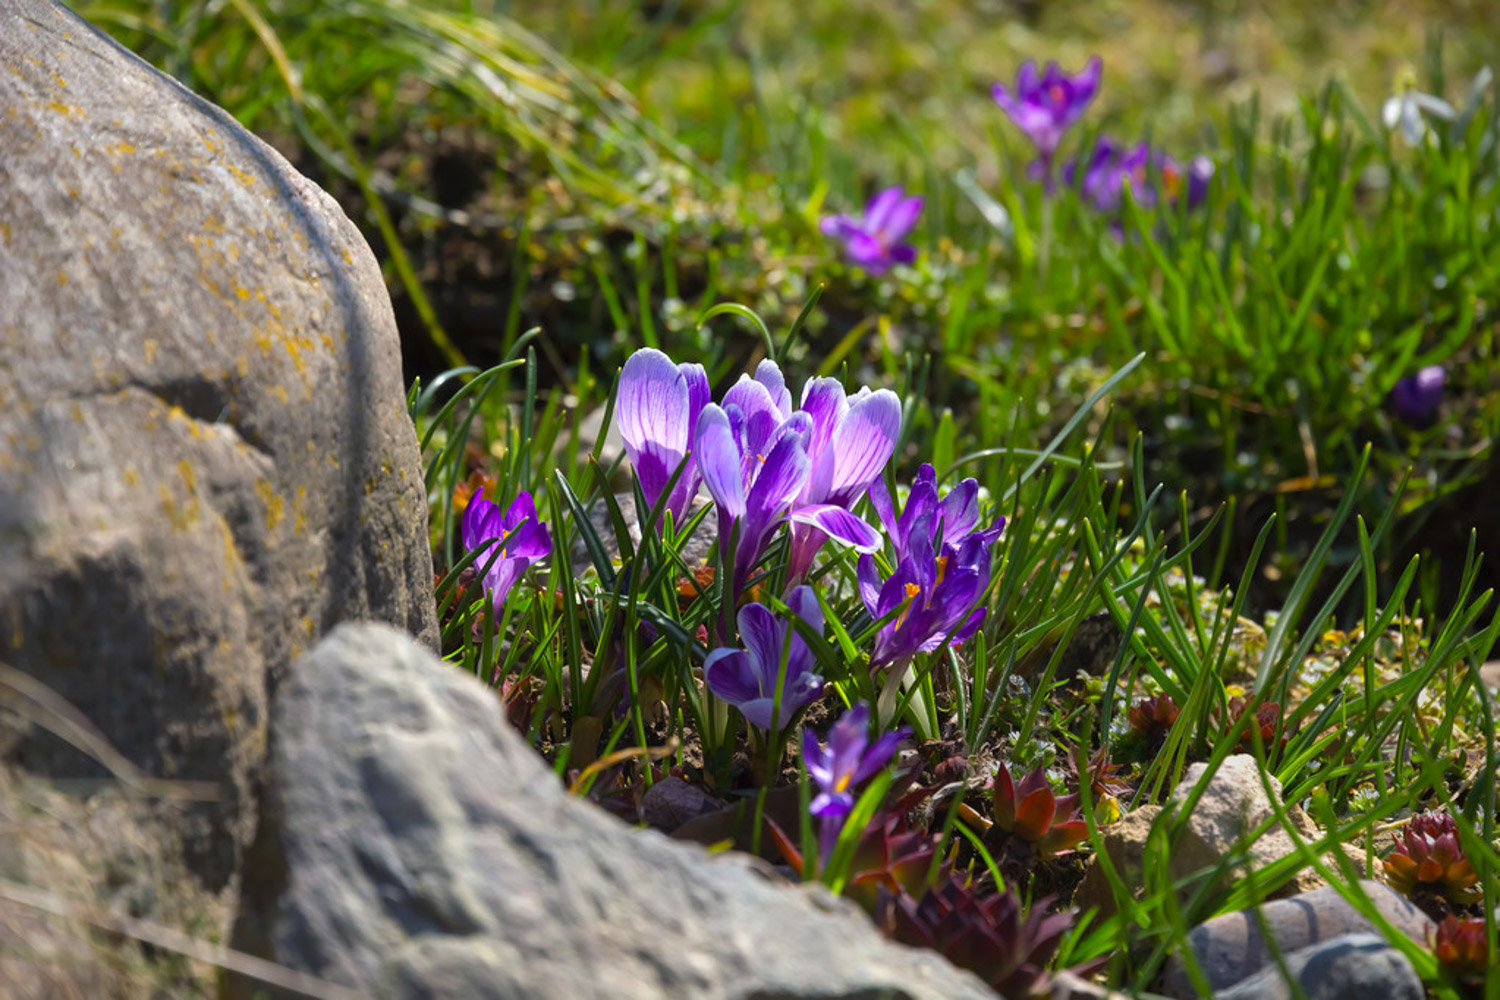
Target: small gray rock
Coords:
[[415, 846], [1348, 967], [696, 551], [1232, 947], [1233, 804]]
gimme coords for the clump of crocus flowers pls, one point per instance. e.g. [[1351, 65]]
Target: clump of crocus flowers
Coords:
[[1428, 858], [1152, 176]]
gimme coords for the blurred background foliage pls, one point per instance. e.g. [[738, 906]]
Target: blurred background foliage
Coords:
[[607, 172]]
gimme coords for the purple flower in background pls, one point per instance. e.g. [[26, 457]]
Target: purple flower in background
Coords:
[[1150, 174], [838, 768], [746, 678], [942, 569], [851, 440], [1415, 399], [658, 405], [874, 242], [518, 534], [1046, 106]]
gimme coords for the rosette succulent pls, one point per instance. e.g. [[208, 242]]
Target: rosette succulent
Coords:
[[1052, 824], [1428, 857], [990, 935]]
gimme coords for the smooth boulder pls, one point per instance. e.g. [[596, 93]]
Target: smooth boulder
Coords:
[[416, 846]]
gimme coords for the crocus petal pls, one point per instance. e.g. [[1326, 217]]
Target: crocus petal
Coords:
[[869, 585], [474, 527], [759, 414], [838, 226], [882, 208], [824, 401], [839, 525], [814, 759], [733, 675], [899, 219], [867, 251], [803, 602], [781, 476], [831, 804], [763, 636], [719, 461], [530, 541], [503, 577], [880, 753], [653, 417], [863, 443], [522, 508], [769, 375], [880, 499], [959, 510]]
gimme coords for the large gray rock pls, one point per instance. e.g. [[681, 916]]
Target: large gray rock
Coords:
[[1233, 947], [416, 846], [205, 459]]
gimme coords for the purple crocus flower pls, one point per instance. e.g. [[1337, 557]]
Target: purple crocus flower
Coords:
[[942, 569], [520, 536], [1046, 106], [851, 441], [746, 678], [658, 404], [874, 241], [842, 765], [758, 457], [1150, 174], [1415, 399], [946, 519]]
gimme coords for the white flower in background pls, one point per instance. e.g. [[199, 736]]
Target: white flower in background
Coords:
[[1409, 108], [1405, 110]]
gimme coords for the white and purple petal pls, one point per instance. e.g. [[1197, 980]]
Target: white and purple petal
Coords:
[[863, 442], [838, 524]]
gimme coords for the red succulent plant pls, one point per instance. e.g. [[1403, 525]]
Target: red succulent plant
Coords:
[[1461, 947], [1031, 811], [987, 934], [1267, 717], [1428, 856], [1152, 718]]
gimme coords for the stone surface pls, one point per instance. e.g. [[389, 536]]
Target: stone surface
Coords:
[[1233, 804], [1350, 967], [1233, 947], [696, 551], [205, 459], [417, 847]]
